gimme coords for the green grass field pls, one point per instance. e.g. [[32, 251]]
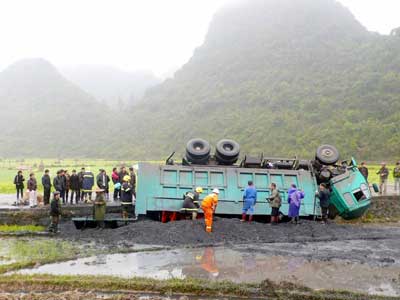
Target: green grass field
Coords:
[[9, 168]]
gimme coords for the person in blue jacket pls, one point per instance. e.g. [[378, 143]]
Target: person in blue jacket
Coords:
[[87, 185], [249, 201]]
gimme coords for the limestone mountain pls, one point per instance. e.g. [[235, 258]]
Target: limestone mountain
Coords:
[[45, 115], [280, 77]]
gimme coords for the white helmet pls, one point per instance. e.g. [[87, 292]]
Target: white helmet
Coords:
[[215, 191]]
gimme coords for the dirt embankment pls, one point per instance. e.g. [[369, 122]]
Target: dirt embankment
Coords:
[[385, 208]]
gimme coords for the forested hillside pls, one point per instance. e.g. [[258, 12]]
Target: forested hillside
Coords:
[[45, 115], [281, 77]]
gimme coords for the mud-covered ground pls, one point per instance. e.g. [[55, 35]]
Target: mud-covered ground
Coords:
[[226, 232]]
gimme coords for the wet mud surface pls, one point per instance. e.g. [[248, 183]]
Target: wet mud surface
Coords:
[[226, 232]]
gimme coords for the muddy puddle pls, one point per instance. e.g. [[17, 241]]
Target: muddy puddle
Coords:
[[247, 264]]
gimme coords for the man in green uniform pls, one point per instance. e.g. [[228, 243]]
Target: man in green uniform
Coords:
[[55, 212], [99, 209]]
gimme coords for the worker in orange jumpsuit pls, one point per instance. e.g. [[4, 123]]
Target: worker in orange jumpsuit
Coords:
[[209, 205]]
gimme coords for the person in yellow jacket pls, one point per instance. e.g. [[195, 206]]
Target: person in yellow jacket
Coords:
[[209, 205]]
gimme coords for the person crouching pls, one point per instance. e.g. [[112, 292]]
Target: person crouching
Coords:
[[191, 203], [55, 212]]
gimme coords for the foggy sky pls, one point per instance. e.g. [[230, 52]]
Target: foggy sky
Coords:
[[155, 35]]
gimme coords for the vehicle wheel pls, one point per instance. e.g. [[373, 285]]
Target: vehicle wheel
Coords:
[[198, 149], [327, 154], [227, 151], [197, 161], [224, 161]]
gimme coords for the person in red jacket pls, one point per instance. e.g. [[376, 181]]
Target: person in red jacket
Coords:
[[116, 182]]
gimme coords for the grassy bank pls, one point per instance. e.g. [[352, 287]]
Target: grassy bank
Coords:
[[265, 289], [20, 228], [26, 252]]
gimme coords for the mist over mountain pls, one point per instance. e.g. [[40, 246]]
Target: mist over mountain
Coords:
[[46, 115], [281, 77], [111, 85]]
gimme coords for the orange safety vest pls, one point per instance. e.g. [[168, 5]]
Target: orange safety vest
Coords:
[[210, 201]]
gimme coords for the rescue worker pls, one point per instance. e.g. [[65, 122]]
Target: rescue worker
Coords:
[[191, 202], [46, 182], [87, 185], [275, 202], [99, 208], [209, 205], [249, 201], [126, 197], [55, 212]]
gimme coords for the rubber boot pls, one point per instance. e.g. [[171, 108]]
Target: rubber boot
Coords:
[[194, 216], [243, 218], [250, 218]]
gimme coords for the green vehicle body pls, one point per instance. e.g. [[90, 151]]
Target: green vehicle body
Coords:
[[161, 188]]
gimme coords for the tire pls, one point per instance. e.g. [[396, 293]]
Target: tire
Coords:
[[327, 155], [197, 161], [224, 161], [198, 149], [227, 150]]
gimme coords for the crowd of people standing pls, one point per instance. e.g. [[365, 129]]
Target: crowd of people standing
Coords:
[[76, 187]]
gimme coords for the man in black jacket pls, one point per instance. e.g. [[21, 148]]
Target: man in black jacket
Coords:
[[19, 185], [55, 212], [324, 200], [46, 182], [75, 187]]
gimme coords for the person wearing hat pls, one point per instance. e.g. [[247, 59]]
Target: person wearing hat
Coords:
[[191, 202], [126, 197], [209, 205], [55, 212], [99, 208]]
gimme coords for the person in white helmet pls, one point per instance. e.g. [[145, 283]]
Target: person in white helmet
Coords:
[[209, 205]]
